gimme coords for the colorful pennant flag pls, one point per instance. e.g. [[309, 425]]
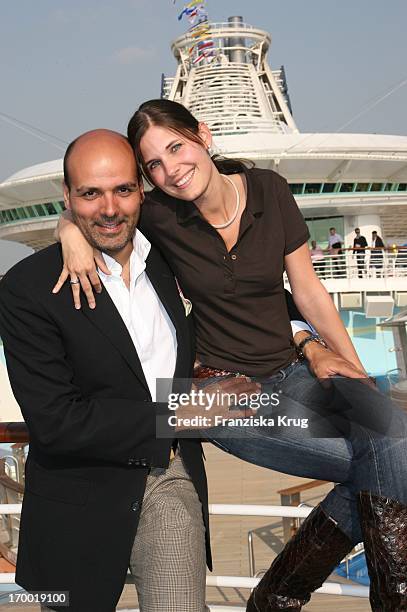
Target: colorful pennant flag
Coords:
[[197, 15]]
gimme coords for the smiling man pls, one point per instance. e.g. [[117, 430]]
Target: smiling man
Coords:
[[105, 209], [102, 492]]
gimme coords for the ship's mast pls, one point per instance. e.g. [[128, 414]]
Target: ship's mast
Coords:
[[234, 91]]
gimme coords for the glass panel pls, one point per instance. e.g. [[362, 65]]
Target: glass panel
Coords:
[[346, 187], [319, 229], [41, 210], [376, 187], [328, 188], [32, 211], [362, 187], [22, 213], [50, 208], [58, 207], [296, 188], [312, 188], [388, 186], [402, 187]]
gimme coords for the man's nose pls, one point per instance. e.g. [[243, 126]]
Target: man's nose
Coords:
[[109, 207]]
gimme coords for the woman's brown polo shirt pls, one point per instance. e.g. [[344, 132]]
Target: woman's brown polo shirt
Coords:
[[238, 300]]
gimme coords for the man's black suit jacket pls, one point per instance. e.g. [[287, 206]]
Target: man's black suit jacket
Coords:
[[84, 397]]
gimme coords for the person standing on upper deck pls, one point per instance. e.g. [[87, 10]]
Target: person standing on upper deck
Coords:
[[376, 257], [335, 249], [359, 249]]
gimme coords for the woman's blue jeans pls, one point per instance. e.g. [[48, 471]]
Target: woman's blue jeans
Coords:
[[355, 437]]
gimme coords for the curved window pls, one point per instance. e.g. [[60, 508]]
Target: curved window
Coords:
[[312, 188], [346, 187], [305, 189], [31, 212]]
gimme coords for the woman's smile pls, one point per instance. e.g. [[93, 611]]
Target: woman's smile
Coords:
[[185, 181]]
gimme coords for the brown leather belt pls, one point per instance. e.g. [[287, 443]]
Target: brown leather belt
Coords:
[[201, 371]]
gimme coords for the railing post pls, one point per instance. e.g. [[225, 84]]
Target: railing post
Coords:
[[289, 526], [251, 553]]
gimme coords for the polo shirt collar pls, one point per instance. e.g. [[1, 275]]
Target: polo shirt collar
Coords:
[[186, 211]]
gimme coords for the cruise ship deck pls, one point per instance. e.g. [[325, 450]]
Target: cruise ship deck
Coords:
[[245, 484]]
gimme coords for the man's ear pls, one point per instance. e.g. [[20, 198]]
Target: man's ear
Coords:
[[205, 134], [66, 196]]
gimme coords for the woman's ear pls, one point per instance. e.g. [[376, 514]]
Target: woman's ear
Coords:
[[205, 134]]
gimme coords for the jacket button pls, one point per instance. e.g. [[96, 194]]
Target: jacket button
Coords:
[[135, 506], [133, 461], [144, 462]]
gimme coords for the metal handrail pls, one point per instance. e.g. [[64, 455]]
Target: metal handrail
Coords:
[[384, 264], [13, 432], [217, 509], [232, 581]]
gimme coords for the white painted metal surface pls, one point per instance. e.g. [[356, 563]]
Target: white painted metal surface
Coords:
[[233, 581]]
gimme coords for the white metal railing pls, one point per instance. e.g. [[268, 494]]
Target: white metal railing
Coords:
[[328, 588], [224, 31], [244, 125], [371, 265]]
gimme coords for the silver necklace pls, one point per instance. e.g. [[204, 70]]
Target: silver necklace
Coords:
[[233, 217]]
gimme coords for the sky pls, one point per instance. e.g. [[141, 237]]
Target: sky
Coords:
[[72, 65]]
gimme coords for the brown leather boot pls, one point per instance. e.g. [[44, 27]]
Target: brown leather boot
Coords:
[[302, 566], [384, 527]]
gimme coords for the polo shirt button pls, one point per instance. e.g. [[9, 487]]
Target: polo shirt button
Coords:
[[135, 506], [233, 256]]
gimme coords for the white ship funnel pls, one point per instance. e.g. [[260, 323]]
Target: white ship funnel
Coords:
[[236, 45]]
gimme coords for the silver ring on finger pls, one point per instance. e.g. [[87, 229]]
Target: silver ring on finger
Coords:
[[74, 281]]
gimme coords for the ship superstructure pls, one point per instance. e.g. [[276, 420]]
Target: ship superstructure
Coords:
[[236, 92]]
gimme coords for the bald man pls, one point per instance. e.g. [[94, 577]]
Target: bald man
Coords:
[[102, 492]]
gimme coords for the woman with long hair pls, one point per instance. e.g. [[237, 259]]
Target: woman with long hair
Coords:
[[229, 231]]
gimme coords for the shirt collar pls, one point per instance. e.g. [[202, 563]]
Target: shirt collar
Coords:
[[141, 249], [254, 200]]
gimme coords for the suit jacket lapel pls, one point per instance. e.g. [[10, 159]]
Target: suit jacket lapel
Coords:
[[165, 286], [108, 320]]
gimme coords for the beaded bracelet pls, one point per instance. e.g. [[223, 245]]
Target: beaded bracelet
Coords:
[[310, 338]]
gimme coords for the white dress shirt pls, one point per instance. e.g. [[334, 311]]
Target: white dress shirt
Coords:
[[334, 238], [150, 328], [297, 326]]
